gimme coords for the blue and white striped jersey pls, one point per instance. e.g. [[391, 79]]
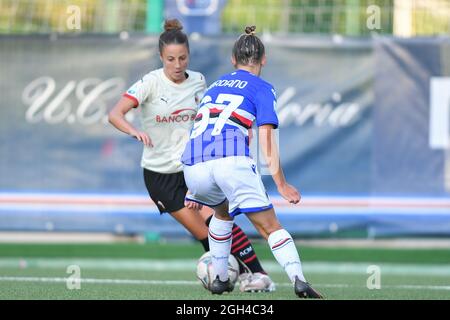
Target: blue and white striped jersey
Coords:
[[226, 112]]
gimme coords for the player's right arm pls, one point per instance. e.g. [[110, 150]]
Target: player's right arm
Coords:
[[135, 95], [117, 118]]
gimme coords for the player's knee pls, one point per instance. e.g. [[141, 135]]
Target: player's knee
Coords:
[[221, 212], [266, 228], [223, 216]]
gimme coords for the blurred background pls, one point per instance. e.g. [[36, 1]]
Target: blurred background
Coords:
[[363, 101]]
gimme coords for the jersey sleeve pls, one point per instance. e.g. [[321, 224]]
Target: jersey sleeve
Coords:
[[141, 90], [266, 102]]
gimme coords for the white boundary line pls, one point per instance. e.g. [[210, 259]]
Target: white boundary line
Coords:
[[196, 283], [189, 264]]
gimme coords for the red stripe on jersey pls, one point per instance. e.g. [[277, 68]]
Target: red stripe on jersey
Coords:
[[247, 122], [215, 110], [136, 102], [179, 111], [242, 119]]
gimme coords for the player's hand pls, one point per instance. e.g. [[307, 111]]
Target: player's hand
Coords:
[[143, 137], [290, 193], [193, 205]]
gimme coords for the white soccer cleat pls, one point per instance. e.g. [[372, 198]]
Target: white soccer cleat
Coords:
[[256, 282]]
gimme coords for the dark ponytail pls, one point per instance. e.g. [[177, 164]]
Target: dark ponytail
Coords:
[[248, 49], [172, 35]]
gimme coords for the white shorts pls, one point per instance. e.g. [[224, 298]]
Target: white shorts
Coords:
[[233, 178]]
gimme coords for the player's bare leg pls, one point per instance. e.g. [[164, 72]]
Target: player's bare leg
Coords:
[[192, 221], [265, 222], [206, 212], [284, 250]]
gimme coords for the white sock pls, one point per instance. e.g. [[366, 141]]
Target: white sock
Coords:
[[284, 250], [219, 237]]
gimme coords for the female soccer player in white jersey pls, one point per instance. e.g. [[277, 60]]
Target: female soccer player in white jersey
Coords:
[[220, 172], [168, 98]]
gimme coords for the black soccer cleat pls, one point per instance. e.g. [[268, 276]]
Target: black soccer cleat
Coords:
[[219, 287], [305, 291]]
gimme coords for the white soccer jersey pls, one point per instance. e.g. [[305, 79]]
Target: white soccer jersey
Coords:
[[168, 111]]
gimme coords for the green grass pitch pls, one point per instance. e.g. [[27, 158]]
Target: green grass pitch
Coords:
[[167, 271]]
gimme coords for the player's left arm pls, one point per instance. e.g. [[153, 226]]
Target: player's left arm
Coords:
[[267, 121], [270, 151]]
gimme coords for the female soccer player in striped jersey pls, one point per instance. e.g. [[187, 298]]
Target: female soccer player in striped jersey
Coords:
[[168, 98], [220, 172]]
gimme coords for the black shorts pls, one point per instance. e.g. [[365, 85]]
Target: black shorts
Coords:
[[167, 190]]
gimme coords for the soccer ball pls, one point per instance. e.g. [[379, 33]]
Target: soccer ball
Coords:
[[205, 272]]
